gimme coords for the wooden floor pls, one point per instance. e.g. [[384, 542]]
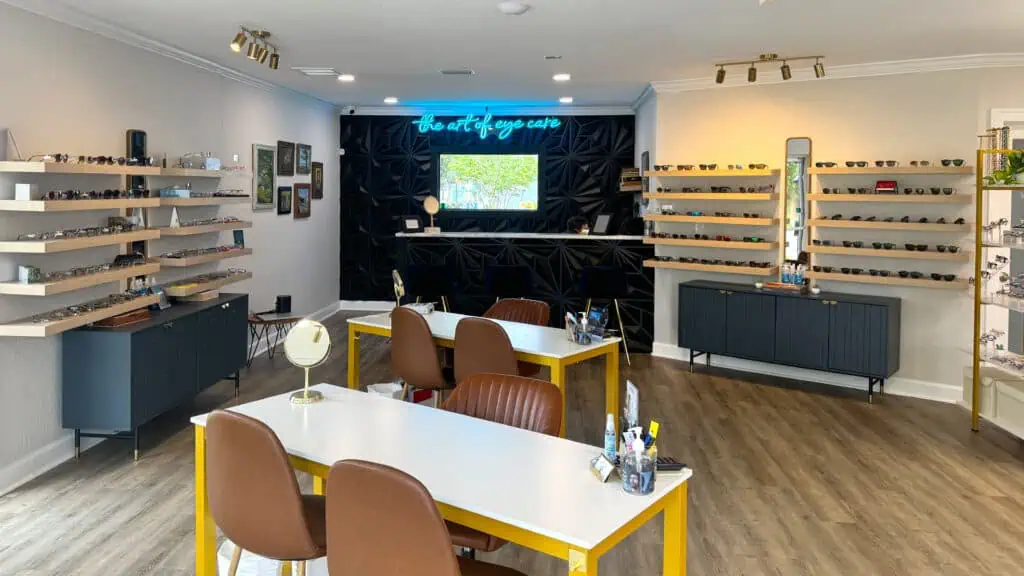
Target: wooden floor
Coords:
[[787, 481]]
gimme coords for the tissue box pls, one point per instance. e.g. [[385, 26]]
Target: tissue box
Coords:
[[25, 191]]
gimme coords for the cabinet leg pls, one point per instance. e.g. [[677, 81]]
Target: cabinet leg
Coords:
[[691, 361], [135, 438], [78, 443], [881, 388], [238, 381], [707, 359]]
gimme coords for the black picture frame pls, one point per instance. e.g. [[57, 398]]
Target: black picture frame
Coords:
[[602, 222], [285, 159], [303, 201], [317, 180], [303, 159], [284, 200]]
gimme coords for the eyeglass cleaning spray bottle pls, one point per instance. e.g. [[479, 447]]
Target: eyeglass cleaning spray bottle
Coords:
[[609, 437]]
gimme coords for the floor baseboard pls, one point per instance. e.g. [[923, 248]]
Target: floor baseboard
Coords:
[[896, 386]]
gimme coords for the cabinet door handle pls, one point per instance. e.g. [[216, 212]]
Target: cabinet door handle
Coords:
[[825, 302], [225, 306], [834, 303], [168, 325], [722, 292]]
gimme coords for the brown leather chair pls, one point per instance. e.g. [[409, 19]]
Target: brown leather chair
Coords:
[[254, 497], [382, 522], [482, 345], [521, 310], [511, 400], [413, 352]]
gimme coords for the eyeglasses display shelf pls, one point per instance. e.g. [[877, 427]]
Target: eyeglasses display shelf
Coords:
[[203, 258], [27, 328], [720, 268], [22, 167], [204, 229], [205, 201], [959, 256], [720, 173], [892, 170], [184, 288], [736, 221], [77, 205], [750, 197], [876, 225], [78, 243], [894, 198], [865, 278], [727, 244], [77, 282]]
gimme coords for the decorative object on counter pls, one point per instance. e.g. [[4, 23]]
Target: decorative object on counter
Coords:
[[175, 221], [163, 303], [399, 287], [285, 159], [303, 159], [264, 180], [317, 180], [303, 201], [308, 345], [284, 200], [431, 206]]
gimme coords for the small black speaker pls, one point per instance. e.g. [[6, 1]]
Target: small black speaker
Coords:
[[283, 305]]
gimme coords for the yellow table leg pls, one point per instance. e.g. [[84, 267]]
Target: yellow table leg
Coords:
[[206, 530], [611, 386], [675, 533], [319, 486], [582, 563], [353, 358], [558, 379]]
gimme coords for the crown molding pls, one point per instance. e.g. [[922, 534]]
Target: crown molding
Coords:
[[768, 73], [457, 110], [644, 96], [65, 14]]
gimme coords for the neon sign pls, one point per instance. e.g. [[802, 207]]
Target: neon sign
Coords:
[[485, 125]]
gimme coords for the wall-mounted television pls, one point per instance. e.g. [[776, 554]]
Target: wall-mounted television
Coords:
[[501, 182]]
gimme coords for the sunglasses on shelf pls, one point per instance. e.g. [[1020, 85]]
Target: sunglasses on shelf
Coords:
[[824, 164], [922, 163], [685, 167], [754, 239], [852, 244], [884, 163], [709, 166], [721, 188], [953, 161], [918, 247], [758, 166], [856, 163], [736, 166], [947, 248]]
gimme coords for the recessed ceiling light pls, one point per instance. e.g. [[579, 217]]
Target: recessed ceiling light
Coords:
[[562, 77], [565, 99], [315, 70], [552, 57], [514, 8], [346, 78], [391, 100]]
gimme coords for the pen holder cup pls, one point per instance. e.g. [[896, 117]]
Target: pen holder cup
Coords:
[[638, 474]]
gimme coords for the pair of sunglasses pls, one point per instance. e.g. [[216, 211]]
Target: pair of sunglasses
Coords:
[[753, 239], [889, 163], [954, 162], [853, 244], [824, 164], [821, 242], [947, 248], [924, 163], [721, 188], [686, 167], [914, 275], [709, 166], [881, 245], [854, 271], [947, 277], [758, 166], [884, 273], [858, 164], [918, 247]]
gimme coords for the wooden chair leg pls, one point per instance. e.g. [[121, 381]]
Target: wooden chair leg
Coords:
[[236, 557], [622, 329], [588, 307], [405, 390]]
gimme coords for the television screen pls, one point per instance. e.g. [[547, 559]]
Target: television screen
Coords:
[[489, 181]]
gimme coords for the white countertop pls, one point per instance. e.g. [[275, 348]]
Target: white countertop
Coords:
[[526, 338], [520, 235], [532, 481]]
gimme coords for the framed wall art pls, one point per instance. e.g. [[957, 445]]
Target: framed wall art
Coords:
[[317, 180], [284, 199], [303, 158], [285, 158], [264, 181], [303, 201]]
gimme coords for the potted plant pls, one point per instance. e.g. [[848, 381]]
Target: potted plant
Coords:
[[1011, 173]]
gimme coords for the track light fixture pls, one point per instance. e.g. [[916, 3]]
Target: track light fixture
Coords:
[[787, 72], [259, 47]]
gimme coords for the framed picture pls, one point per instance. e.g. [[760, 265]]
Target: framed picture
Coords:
[[284, 199], [318, 180], [264, 182], [285, 158], [303, 158], [303, 201]]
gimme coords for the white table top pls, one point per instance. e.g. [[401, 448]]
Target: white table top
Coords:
[[535, 482], [523, 236], [526, 338]]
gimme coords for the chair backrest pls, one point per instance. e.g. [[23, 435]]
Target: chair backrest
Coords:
[[482, 345], [382, 522], [253, 494], [513, 400], [520, 310], [413, 352]]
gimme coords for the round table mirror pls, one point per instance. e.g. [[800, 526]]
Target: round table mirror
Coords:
[[307, 345], [431, 206]]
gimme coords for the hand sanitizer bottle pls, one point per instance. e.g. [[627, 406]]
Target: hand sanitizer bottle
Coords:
[[609, 437]]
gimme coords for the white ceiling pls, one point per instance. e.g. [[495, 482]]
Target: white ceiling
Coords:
[[612, 48]]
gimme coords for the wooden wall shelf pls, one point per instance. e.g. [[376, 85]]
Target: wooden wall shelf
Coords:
[[18, 167], [931, 254], [711, 244], [712, 220], [894, 199], [910, 226], [725, 173], [26, 328], [898, 170], [77, 283], [710, 196], [191, 289], [209, 201], [51, 246], [205, 229], [747, 270], [76, 205], [1003, 187], [865, 278], [203, 259], [189, 173]]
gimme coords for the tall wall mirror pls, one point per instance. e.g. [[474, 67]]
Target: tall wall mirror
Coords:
[[797, 182]]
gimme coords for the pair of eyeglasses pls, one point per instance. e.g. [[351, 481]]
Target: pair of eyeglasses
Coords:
[[924, 163], [884, 273], [953, 161], [758, 166], [668, 212], [737, 166], [695, 213], [857, 163], [946, 277], [947, 248], [853, 244], [709, 166], [881, 245], [662, 167], [824, 164], [914, 275], [884, 163], [756, 264], [724, 214], [854, 271], [830, 190], [909, 191], [817, 242], [859, 190], [721, 238], [751, 215], [754, 239], [721, 188], [918, 247]]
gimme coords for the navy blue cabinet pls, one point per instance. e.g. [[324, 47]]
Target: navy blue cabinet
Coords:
[[843, 333], [118, 379]]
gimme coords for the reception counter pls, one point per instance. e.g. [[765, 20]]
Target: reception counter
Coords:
[[555, 261]]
